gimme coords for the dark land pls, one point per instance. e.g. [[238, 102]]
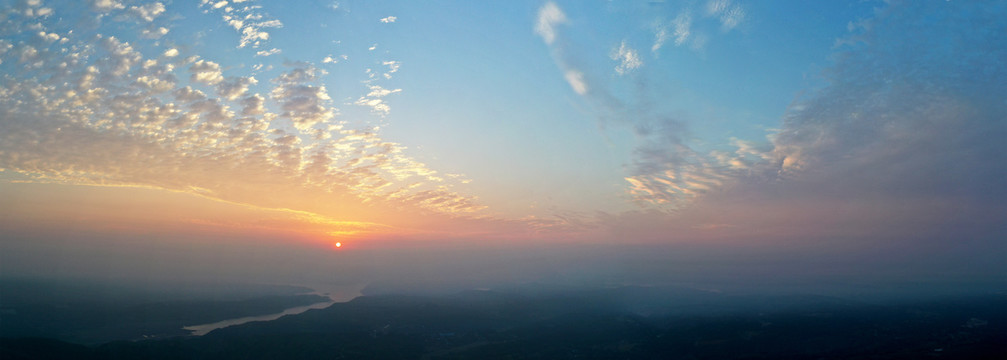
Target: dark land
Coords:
[[601, 323], [92, 313]]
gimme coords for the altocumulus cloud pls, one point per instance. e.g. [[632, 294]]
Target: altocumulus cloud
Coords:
[[95, 109]]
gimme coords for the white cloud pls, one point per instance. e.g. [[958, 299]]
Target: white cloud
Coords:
[[730, 15], [389, 19], [714, 7], [247, 20], [154, 33], [233, 88], [628, 59], [171, 52], [332, 59], [305, 104], [253, 105], [374, 100], [120, 56], [188, 94], [106, 5], [576, 80], [660, 37], [269, 52], [549, 16], [147, 12], [378, 91], [393, 67], [683, 28], [732, 18], [207, 72]]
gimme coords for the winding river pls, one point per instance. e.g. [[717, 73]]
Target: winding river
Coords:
[[339, 295]]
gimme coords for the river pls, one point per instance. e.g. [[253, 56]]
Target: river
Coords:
[[342, 294]]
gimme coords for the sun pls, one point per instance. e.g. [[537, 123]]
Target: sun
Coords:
[[338, 244]]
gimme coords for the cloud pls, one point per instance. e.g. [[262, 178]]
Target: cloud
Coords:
[[714, 7], [120, 56], [112, 117], [627, 58], [683, 28], [269, 52], [304, 103], [904, 114], [665, 171], [147, 12], [207, 72], [732, 18], [887, 126], [236, 87], [904, 144], [549, 16], [374, 100], [331, 59], [680, 30], [393, 67], [388, 20], [249, 21], [729, 14], [576, 80], [154, 33], [660, 37], [105, 5], [253, 105]]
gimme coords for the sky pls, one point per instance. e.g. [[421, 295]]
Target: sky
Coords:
[[636, 141]]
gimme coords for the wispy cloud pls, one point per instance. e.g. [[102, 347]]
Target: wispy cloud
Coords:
[[549, 16], [147, 12], [576, 80], [898, 125], [730, 15], [393, 67], [374, 99], [269, 52], [627, 57], [249, 21], [665, 172], [105, 5], [683, 28], [900, 147], [388, 20]]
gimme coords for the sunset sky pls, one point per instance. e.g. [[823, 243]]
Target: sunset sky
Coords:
[[246, 138]]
